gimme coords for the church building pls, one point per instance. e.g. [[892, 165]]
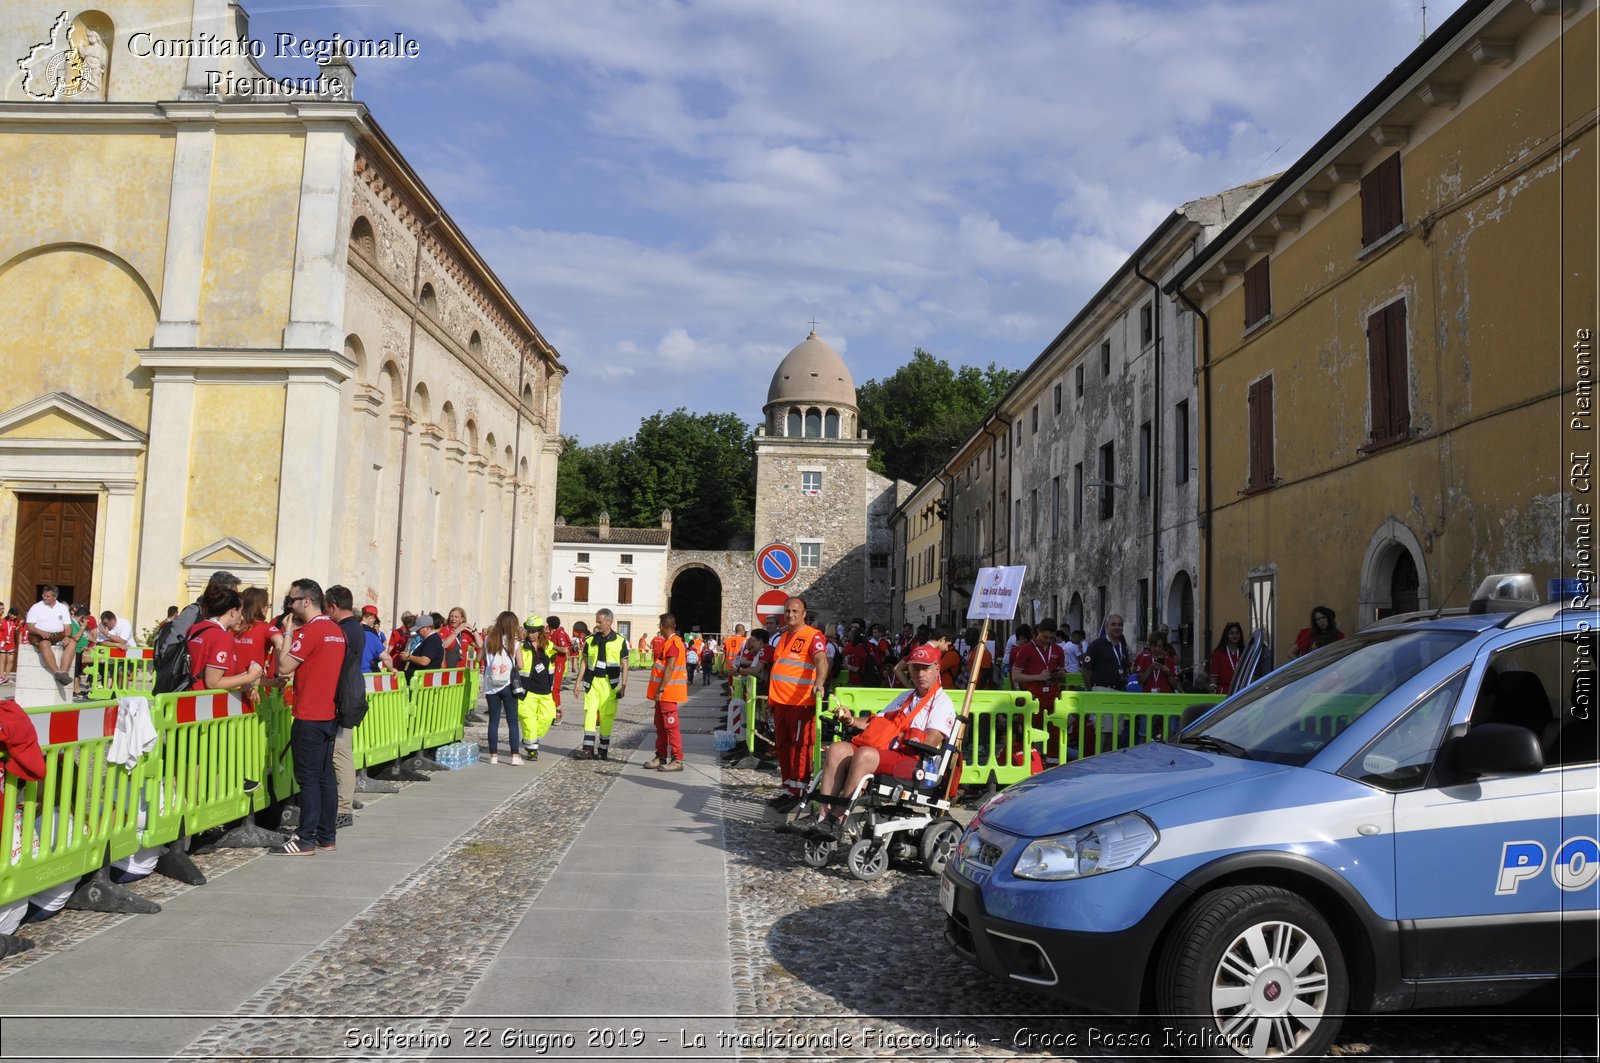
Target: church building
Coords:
[[240, 333]]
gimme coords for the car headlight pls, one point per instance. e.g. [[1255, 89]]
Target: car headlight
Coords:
[[1108, 845]]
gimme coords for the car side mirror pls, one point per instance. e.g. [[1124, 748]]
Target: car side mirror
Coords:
[[1193, 713], [1497, 749]]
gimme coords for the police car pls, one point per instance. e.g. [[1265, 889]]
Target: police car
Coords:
[[1405, 818]]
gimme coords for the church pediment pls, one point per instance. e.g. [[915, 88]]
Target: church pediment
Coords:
[[253, 568], [59, 418]]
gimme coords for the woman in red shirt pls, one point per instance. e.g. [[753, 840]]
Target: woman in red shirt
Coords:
[[1157, 667], [212, 660], [1225, 658], [252, 637], [8, 643], [459, 639]]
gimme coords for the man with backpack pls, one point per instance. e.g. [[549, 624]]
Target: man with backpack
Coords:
[[349, 698], [171, 644]]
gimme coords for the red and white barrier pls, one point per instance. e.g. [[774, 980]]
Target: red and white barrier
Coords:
[[383, 682], [212, 705], [77, 725], [449, 677]]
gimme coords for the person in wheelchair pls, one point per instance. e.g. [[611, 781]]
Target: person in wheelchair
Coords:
[[924, 715]]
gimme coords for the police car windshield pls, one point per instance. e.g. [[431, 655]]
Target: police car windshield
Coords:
[[1288, 717]]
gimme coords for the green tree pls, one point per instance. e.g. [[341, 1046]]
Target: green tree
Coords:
[[924, 410], [700, 466], [586, 480]]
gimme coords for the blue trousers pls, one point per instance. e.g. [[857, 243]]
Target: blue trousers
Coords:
[[503, 701], [312, 744]]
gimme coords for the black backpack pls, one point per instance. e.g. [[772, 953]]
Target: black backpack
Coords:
[[174, 670]]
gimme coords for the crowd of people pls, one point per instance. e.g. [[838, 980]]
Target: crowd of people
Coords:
[[64, 636]]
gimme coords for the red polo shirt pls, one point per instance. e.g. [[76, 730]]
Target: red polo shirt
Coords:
[[319, 647]]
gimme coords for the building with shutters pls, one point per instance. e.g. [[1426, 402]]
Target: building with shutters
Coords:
[[240, 333], [621, 569], [1393, 335]]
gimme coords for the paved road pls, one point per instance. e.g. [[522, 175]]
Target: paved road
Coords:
[[572, 909]]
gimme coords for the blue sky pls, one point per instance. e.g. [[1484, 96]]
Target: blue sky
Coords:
[[672, 190]]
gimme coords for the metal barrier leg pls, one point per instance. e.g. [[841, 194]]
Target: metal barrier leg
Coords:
[[247, 835], [98, 893], [397, 771], [366, 784], [420, 761], [175, 864]]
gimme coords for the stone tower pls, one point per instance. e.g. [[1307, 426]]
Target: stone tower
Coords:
[[815, 493]]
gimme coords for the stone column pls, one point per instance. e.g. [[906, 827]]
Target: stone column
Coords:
[[305, 484], [166, 487], [188, 207], [544, 513], [316, 296], [422, 546], [116, 574]]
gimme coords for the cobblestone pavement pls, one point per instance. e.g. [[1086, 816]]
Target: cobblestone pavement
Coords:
[[819, 955], [823, 966]]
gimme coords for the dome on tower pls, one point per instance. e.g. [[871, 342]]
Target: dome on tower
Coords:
[[812, 372]]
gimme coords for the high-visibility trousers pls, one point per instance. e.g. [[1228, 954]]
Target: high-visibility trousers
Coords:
[[536, 712], [599, 706]]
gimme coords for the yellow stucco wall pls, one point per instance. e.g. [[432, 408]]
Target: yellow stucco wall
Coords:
[[234, 466], [108, 192], [1478, 485], [250, 238], [52, 338]]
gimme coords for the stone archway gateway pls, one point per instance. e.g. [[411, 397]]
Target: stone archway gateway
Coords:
[[696, 599]]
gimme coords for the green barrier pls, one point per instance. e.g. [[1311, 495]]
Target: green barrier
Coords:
[[274, 710], [377, 739], [210, 743], [82, 814], [1001, 739], [1099, 721], [437, 716], [113, 672]]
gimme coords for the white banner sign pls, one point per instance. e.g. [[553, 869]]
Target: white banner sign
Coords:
[[996, 593]]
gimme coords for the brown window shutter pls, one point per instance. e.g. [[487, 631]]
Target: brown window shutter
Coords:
[[1370, 208], [1257, 292], [1393, 214], [1269, 472], [1395, 348], [1260, 420], [1378, 372]]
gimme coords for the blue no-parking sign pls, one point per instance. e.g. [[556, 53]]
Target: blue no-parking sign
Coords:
[[776, 564]]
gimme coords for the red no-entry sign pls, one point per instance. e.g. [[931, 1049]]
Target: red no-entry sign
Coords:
[[770, 602]]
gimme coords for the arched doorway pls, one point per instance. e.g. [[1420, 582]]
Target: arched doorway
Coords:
[[696, 600], [1394, 574], [1180, 617], [1075, 612]]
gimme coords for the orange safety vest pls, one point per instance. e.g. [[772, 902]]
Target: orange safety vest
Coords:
[[668, 685], [731, 647], [794, 673]]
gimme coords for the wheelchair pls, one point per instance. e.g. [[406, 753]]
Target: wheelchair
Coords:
[[888, 818]]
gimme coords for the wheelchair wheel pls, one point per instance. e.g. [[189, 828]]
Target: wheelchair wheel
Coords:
[[818, 851], [937, 845], [868, 859]]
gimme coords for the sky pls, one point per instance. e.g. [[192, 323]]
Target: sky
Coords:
[[674, 189]]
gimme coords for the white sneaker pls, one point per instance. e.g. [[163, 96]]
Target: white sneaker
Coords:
[[494, 758], [515, 760]]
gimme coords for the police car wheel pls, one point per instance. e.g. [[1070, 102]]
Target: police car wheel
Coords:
[[818, 851], [1254, 971], [868, 859], [938, 842]]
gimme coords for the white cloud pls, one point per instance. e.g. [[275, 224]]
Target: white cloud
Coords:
[[674, 189]]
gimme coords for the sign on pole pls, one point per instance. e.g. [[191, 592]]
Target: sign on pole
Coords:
[[776, 564], [770, 602], [996, 593]]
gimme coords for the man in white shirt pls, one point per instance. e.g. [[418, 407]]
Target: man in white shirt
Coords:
[[48, 621], [1073, 647], [116, 632]]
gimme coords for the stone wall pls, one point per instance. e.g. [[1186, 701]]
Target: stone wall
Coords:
[[836, 518]]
